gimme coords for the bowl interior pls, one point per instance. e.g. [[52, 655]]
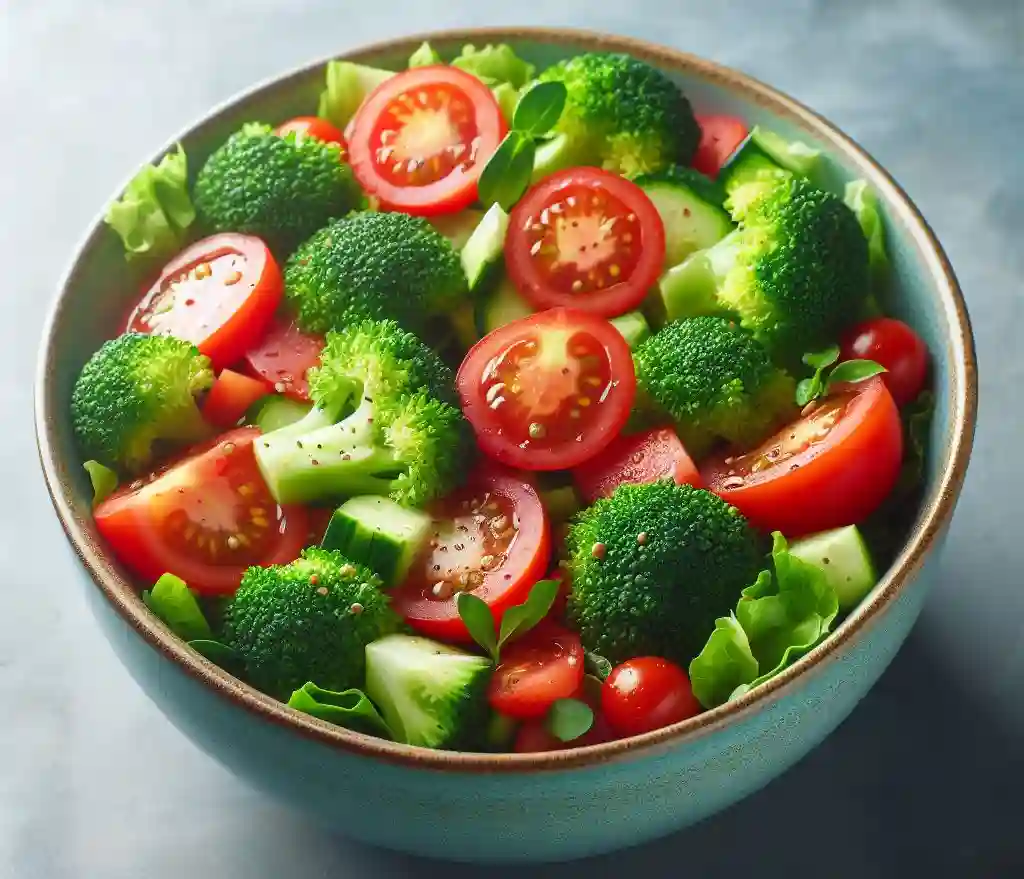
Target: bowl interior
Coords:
[[100, 287]]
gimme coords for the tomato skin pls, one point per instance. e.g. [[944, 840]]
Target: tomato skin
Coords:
[[895, 346], [225, 309], [639, 458], [282, 357], [534, 277], [720, 137], [230, 398], [645, 694], [543, 666], [840, 481], [312, 126]]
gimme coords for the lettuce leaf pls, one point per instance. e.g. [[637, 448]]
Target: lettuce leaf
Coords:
[[862, 200], [174, 603], [724, 664], [347, 84], [495, 64], [424, 56], [349, 708]]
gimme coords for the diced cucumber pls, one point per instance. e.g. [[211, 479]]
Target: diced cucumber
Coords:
[[347, 85], [502, 306], [484, 249], [553, 155], [688, 289], [792, 155], [561, 503], [844, 557], [767, 154], [274, 411], [633, 326], [380, 534], [692, 222], [457, 228]]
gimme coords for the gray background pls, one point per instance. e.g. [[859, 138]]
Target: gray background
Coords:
[[924, 779]]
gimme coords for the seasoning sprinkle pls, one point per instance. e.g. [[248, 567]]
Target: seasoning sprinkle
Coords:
[[356, 608]]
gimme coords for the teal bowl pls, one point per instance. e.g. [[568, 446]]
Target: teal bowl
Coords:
[[511, 807]]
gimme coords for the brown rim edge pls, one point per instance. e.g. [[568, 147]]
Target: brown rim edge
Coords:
[[929, 527]]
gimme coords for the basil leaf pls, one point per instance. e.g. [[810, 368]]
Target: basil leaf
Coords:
[[596, 665], [539, 110], [568, 719], [507, 175], [854, 371], [808, 389], [104, 481], [173, 602], [520, 619], [479, 622], [348, 708], [821, 359]]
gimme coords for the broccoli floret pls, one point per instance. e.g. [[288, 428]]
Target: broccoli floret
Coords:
[[135, 391], [623, 114], [654, 566], [307, 621], [281, 189], [373, 265], [714, 380], [385, 423]]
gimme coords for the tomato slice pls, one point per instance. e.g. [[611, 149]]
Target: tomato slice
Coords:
[[230, 397], [647, 693], [490, 538], [831, 467], [897, 347], [587, 239], [643, 457], [283, 356], [720, 137], [544, 665], [421, 138], [548, 391], [312, 126], [220, 294], [205, 517]]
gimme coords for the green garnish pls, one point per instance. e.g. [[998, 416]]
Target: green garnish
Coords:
[[847, 372], [516, 621], [568, 719]]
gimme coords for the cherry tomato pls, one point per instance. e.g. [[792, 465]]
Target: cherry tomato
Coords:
[[283, 356], [206, 517], [587, 239], [548, 391], [897, 347], [220, 294], [421, 138], [638, 458], [230, 398], [312, 126], [833, 466], [544, 665], [645, 694], [533, 737], [720, 137], [490, 538]]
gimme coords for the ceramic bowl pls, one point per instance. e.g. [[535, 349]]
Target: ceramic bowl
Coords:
[[512, 807]]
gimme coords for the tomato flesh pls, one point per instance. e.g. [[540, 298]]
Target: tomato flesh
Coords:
[[895, 346], [831, 467], [720, 137], [282, 358], [587, 239], [220, 294], [312, 126], [206, 517], [645, 694], [230, 398], [549, 391], [490, 538], [545, 665]]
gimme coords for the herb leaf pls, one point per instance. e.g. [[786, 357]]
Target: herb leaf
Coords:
[[520, 619], [539, 109], [853, 371], [822, 359], [505, 177], [568, 719], [596, 665], [479, 622], [808, 389]]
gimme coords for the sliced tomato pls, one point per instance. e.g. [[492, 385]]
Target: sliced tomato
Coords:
[[647, 693], [230, 398], [421, 138], [897, 347], [720, 137], [643, 457], [312, 126], [220, 294], [544, 665], [205, 517], [831, 467], [548, 391], [283, 356], [587, 239], [490, 538]]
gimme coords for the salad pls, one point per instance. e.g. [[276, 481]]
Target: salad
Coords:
[[500, 409]]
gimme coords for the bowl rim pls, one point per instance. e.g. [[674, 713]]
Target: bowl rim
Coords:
[[928, 529]]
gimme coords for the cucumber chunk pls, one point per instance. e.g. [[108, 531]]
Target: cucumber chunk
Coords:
[[692, 221], [457, 228], [792, 155], [561, 503], [844, 557], [504, 305], [484, 249], [347, 85], [633, 326], [274, 411]]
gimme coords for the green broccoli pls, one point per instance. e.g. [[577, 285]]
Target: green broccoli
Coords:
[[652, 568], [281, 189], [307, 621], [385, 423], [623, 114], [135, 391], [373, 265], [714, 380]]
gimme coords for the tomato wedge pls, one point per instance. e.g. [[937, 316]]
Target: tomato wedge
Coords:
[[230, 397], [831, 467], [283, 356], [312, 126], [490, 538], [205, 517], [421, 138], [548, 391], [220, 294], [720, 137], [587, 239], [544, 665]]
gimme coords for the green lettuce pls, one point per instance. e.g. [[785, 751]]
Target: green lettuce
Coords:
[[347, 84], [349, 708], [424, 56], [495, 64], [174, 603], [103, 479], [862, 200], [724, 664]]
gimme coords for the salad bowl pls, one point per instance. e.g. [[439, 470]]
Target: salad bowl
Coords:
[[523, 807]]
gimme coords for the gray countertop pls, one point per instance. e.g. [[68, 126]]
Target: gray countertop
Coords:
[[924, 777]]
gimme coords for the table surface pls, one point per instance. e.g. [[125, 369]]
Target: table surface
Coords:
[[926, 773]]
